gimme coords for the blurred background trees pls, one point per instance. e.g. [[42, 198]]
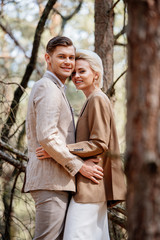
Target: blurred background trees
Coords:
[[25, 28], [143, 120]]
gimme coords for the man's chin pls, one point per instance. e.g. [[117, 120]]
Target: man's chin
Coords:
[[67, 74]]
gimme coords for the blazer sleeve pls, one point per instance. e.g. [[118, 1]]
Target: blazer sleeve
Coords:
[[47, 103], [99, 118]]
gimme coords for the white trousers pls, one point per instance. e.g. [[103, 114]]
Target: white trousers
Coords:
[[86, 221], [51, 209]]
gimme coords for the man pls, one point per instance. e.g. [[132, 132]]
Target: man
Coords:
[[50, 124]]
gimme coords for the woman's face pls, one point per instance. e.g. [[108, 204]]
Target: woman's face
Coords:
[[83, 77]]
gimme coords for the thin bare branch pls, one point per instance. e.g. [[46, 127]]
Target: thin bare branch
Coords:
[[12, 83], [123, 31], [120, 210], [76, 10], [19, 165], [8, 208], [119, 77], [66, 18], [16, 130], [111, 90], [9, 32], [23, 224], [117, 220], [6, 56], [113, 6], [29, 69], [120, 44], [10, 149]]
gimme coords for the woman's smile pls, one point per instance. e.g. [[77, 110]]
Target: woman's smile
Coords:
[[78, 81]]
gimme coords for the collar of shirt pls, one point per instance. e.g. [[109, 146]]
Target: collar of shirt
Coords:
[[58, 80]]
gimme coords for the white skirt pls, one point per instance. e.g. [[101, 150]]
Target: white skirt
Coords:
[[86, 221]]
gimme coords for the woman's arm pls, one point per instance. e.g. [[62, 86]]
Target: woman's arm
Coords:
[[89, 169], [99, 118]]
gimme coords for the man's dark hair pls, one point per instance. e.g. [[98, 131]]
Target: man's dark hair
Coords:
[[58, 41]]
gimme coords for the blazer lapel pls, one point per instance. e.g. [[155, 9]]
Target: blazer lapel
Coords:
[[84, 106], [82, 110], [47, 75], [50, 76], [64, 95]]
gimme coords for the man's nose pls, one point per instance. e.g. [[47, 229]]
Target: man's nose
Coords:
[[67, 61]]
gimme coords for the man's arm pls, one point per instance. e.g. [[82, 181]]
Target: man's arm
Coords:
[[48, 106], [92, 171], [47, 101]]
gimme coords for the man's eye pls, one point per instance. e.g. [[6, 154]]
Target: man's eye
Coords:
[[72, 58], [61, 56], [82, 71]]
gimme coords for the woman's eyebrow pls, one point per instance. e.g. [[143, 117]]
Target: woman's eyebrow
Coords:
[[80, 68]]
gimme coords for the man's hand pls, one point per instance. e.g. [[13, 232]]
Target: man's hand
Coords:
[[91, 170]]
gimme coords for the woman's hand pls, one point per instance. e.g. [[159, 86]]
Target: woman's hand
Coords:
[[42, 154]]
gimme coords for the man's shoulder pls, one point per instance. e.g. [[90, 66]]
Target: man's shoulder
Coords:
[[44, 87], [45, 82]]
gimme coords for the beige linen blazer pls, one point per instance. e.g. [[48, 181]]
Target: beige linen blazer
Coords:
[[96, 135], [50, 124]]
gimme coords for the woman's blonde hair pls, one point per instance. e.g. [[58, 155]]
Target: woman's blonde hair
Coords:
[[94, 61]]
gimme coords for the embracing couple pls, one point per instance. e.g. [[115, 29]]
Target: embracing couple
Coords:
[[72, 174]]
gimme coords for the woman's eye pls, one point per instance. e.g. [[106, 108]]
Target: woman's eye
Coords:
[[82, 71]]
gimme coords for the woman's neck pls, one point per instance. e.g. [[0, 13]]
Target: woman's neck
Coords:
[[89, 92]]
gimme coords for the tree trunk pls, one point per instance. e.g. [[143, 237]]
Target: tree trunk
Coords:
[[143, 120], [104, 39]]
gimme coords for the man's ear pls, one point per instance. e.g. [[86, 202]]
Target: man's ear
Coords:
[[47, 58]]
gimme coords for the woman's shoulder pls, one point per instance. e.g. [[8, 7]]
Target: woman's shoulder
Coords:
[[99, 96], [100, 102]]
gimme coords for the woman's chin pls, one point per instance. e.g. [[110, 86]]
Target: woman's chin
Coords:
[[78, 88]]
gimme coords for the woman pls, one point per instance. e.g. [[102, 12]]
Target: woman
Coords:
[[95, 135]]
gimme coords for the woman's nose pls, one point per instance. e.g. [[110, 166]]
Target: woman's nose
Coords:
[[76, 75]]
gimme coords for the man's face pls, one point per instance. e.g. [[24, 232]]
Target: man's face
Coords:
[[61, 62]]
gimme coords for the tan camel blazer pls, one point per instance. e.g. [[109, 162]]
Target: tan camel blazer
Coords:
[[50, 124], [95, 135]]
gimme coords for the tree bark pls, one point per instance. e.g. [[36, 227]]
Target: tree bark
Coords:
[[143, 120], [104, 39]]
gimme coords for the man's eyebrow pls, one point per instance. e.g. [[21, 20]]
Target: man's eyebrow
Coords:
[[65, 54]]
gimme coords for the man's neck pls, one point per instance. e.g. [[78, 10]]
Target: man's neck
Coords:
[[59, 81]]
